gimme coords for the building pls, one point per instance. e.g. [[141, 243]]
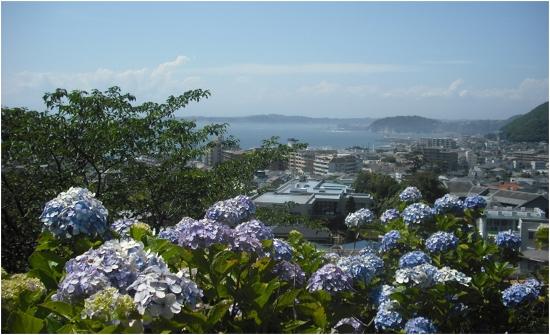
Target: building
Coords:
[[303, 160], [314, 198], [443, 158], [445, 143], [325, 164], [213, 155]]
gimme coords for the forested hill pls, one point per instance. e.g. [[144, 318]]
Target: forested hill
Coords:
[[422, 125], [530, 127]]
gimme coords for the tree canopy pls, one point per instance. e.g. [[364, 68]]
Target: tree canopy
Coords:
[[135, 156]]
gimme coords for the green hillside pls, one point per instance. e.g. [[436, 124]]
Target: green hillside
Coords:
[[531, 127]]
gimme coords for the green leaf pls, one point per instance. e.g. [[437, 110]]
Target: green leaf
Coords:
[[109, 330], [218, 311], [289, 327], [20, 322], [68, 329], [224, 261], [58, 307], [286, 299]]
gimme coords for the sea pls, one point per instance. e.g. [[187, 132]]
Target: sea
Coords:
[[316, 135]]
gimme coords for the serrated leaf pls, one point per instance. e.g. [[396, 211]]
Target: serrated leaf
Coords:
[[217, 312], [58, 307]]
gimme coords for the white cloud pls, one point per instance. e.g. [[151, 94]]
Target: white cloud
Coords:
[[529, 88], [293, 69]]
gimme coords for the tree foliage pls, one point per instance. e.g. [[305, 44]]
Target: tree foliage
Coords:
[[134, 156], [531, 127]]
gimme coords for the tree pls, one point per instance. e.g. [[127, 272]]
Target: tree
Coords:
[[428, 184], [132, 156], [380, 186]]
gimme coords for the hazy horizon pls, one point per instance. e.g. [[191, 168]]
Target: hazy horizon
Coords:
[[453, 61]]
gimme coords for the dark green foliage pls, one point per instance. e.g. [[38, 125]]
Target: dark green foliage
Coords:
[[380, 186], [428, 184], [132, 156], [405, 124], [531, 127]]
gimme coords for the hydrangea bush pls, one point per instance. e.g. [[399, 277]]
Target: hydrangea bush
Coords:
[[226, 273]]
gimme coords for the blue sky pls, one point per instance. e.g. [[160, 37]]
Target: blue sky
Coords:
[[442, 60]]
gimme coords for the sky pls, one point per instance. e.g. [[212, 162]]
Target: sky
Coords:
[[355, 59]]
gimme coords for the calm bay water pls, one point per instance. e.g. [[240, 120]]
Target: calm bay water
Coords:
[[251, 134]]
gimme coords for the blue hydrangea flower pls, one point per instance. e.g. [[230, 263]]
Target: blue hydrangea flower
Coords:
[[508, 240], [520, 293], [352, 323], [390, 240], [255, 228], [441, 242], [448, 204], [413, 258], [231, 211], [173, 233], [359, 218], [329, 278], [410, 194], [158, 292], [204, 233], [417, 213], [474, 202], [282, 250], [381, 295], [290, 272], [122, 226], [361, 267], [420, 325], [81, 284], [389, 215], [423, 275], [75, 212], [446, 274], [387, 319]]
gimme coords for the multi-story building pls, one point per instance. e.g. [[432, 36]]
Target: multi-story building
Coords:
[[445, 159], [213, 156], [325, 164], [446, 143], [303, 160], [314, 198]]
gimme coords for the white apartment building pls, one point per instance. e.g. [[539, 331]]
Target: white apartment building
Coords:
[[345, 163]]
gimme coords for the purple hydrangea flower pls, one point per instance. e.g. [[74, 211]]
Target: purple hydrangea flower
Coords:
[[390, 240], [387, 319], [508, 240], [413, 258], [520, 293], [255, 228], [416, 213], [361, 267], [290, 272], [410, 194], [246, 241], [329, 278], [75, 212], [173, 233], [204, 233], [389, 215], [231, 211], [441, 242], [420, 325], [474, 202], [359, 218], [448, 204], [352, 324], [282, 250]]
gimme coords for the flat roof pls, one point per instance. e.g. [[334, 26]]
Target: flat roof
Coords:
[[274, 198]]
